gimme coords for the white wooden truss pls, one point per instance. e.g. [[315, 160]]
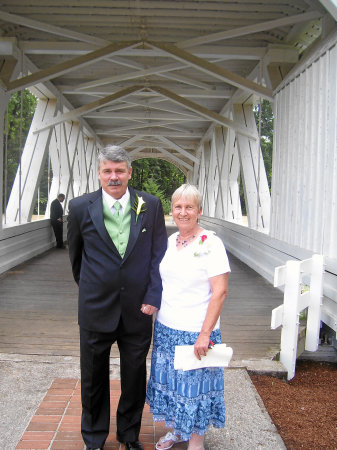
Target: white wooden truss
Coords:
[[227, 156], [72, 154], [178, 81]]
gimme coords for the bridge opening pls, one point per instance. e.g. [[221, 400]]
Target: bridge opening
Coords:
[[157, 177]]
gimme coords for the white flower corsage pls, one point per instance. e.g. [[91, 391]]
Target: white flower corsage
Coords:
[[138, 206]]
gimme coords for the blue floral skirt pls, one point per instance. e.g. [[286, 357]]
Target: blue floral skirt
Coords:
[[190, 401]]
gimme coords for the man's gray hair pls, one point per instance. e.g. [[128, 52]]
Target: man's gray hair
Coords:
[[114, 153], [188, 191]]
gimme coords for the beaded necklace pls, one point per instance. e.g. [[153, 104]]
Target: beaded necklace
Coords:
[[184, 242]]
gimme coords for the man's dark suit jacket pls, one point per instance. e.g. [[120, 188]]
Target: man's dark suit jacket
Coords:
[[111, 287], [56, 210]]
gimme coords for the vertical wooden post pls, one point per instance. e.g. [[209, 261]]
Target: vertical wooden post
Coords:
[[294, 302], [290, 317], [314, 308], [3, 107], [206, 164]]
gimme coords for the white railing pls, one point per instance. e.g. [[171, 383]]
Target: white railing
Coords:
[[22, 242], [303, 288]]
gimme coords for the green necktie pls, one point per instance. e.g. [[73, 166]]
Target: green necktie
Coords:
[[117, 207]]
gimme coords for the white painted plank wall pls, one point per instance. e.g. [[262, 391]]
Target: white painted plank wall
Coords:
[[304, 186], [331, 241]]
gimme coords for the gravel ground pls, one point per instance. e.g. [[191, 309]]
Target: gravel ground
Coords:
[[25, 380]]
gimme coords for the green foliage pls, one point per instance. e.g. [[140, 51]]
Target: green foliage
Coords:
[[267, 132], [41, 203], [16, 131], [157, 177], [151, 187], [29, 102]]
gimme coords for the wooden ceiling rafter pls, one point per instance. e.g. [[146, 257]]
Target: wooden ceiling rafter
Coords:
[[186, 64]]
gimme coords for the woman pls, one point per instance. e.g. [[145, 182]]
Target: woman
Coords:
[[194, 272]]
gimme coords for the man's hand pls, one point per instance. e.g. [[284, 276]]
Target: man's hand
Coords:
[[148, 309]]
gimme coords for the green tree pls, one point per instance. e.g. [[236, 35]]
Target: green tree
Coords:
[[157, 177], [267, 133], [151, 187], [17, 122]]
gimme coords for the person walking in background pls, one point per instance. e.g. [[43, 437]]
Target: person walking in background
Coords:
[[56, 218], [117, 238], [194, 274]]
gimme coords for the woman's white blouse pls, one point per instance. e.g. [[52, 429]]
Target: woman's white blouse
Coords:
[[185, 275]]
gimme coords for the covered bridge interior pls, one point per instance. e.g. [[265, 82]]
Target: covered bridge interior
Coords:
[[179, 80]]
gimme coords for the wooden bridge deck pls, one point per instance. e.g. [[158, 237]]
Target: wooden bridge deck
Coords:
[[38, 310]]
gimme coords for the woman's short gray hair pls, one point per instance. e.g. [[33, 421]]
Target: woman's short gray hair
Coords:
[[188, 191], [114, 153]]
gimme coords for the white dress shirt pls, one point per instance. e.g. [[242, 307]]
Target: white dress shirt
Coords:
[[111, 201]]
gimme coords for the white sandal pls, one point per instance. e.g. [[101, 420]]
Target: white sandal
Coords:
[[168, 437]]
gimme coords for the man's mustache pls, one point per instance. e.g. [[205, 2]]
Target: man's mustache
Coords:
[[114, 183]]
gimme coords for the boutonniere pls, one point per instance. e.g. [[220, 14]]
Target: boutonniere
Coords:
[[205, 247], [138, 206]]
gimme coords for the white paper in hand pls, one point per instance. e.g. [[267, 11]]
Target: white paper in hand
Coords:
[[185, 359]]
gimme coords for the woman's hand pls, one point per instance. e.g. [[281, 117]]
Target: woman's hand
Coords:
[[201, 345], [148, 309]]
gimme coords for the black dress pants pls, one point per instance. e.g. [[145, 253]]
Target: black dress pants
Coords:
[[58, 231], [95, 383]]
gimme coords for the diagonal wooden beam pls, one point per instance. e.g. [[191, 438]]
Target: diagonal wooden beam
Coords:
[[187, 80], [6, 70], [78, 112], [52, 29], [134, 74], [216, 71], [175, 158], [131, 140], [192, 137], [138, 126], [139, 116], [66, 66], [136, 150], [250, 29], [179, 149], [204, 112], [130, 75]]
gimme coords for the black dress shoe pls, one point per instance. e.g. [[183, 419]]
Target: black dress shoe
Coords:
[[136, 445]]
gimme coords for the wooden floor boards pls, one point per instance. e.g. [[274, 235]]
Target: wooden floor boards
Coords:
[[38, 310]]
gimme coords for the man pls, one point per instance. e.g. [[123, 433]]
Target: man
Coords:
[[56, 218], [116, 242]]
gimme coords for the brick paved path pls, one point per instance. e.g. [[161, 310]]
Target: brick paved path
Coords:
[[56, 423]]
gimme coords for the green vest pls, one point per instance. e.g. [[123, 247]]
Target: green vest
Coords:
[[118, 227]]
